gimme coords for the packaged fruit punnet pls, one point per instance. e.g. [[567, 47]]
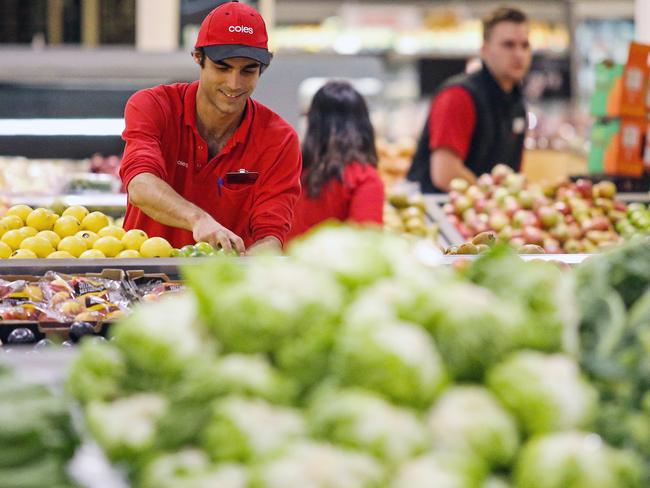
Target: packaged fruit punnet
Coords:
[[22, 300], [153, 292], [85, 298], [151, 287]]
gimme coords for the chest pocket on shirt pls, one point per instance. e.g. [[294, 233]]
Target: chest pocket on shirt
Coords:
[[233, 195]]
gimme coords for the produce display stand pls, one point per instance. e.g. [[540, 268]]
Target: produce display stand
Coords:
[[449, 233], [169, 266], [435, 212]]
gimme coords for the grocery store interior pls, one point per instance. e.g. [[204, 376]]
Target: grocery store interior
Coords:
[[491, 335]]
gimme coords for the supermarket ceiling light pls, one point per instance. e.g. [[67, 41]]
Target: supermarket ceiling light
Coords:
[[61, 127]]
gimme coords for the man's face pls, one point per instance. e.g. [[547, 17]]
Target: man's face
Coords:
[[507, 51], [229, 83]]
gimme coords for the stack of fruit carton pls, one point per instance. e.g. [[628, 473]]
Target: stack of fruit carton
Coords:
[[620, 142]]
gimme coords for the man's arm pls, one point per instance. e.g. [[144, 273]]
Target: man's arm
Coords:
[[163, 204], [452, 125], [265, 245], [447, 165]]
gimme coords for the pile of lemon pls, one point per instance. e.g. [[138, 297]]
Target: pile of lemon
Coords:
[[27, 233]]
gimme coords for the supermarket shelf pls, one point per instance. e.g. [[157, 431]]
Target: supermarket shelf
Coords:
[[634, 197], [563, 258], [169, 266], [89, 200], [434, 211]]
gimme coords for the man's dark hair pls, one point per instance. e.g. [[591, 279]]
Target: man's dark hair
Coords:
[[502, 14], [339, 132], [202, 56]]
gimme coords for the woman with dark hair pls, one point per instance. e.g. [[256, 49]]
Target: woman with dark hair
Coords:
[[339, 179]]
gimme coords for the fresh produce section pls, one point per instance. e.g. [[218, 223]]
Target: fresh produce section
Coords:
[[568, 217], [389, 373], [37, 438], [28, 233], [406, 214]]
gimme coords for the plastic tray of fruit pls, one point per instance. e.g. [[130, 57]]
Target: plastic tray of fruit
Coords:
[[567, 217]]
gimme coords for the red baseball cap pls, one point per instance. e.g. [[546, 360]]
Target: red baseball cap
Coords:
[[234, 30]]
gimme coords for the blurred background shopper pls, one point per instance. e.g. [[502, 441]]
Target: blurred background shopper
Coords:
[[339, 176]]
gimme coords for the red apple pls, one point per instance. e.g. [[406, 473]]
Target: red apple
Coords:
[[583, 187], [562, 207], [524, 218], [511, 206], [485, 182], [499, 172], [604, 189], [618, 205], [533, 235], [516, 242], [560, 232], [548, 216], [459, 184], [461, 204], [515, 182], [600, 223], [505, 234], [604, 203], [574, 231], [551, 246], [480, 204], [573, 246], [469, 215], [474, 192], [498, 220], [500, 194], [526, 199]]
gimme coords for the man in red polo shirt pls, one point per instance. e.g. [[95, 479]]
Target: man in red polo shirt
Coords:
[[205, 162], [478, 120]]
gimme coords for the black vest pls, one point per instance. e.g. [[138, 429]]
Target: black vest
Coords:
[[498, 135]]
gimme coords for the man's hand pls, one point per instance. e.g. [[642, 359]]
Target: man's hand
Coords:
[[209, 230], [267, 245]]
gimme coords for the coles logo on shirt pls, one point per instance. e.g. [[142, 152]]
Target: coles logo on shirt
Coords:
[[241, 28]]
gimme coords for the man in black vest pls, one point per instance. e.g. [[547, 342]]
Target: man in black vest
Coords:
[[478, 120]]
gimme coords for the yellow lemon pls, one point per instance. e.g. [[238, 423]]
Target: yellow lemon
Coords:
[[112, 230], [27, 231], [92, 254], [73, 245], [60, 255], [89, 237], [156, 247], [79, 212], [12, 238], [3, 229], [5, 250], [128, 253], [21, 211], [134, 238], [38, 245], [40, 219], [51, 236], [67, 226], [12, 222], [94, 221], [109, 245], [22, 254]]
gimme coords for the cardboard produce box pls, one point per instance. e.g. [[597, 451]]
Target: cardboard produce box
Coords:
[[634, 95]]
